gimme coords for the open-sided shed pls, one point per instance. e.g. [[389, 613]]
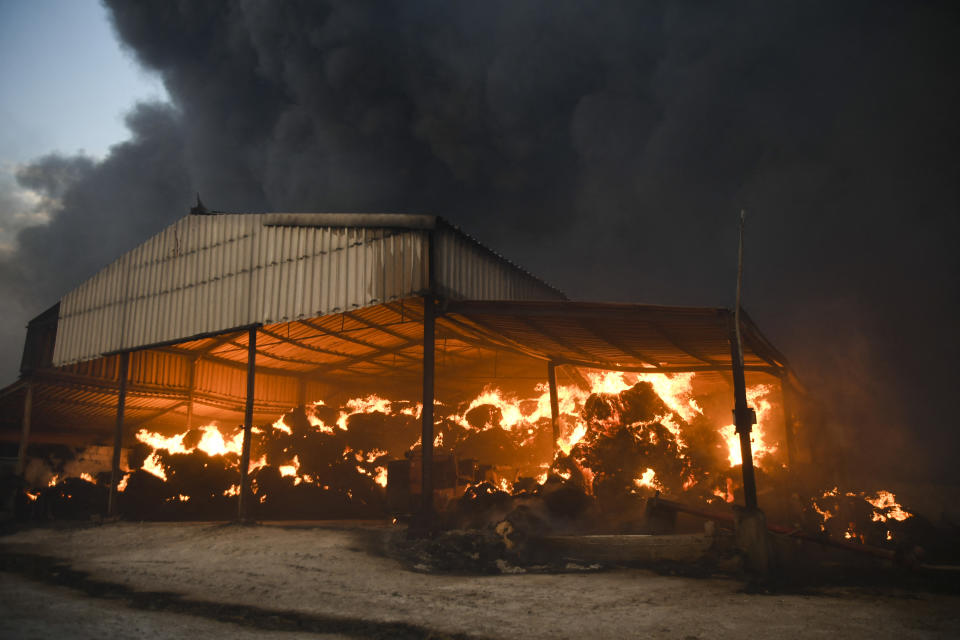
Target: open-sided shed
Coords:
[[239, 317]]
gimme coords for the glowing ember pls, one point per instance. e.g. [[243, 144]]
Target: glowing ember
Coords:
[[647, 479], [291, 469], [886, 507]]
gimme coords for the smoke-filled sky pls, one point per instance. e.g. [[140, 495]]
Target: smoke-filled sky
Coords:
[[606, 146]]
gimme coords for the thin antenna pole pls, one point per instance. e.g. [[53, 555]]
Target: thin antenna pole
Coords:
[[736, 309]]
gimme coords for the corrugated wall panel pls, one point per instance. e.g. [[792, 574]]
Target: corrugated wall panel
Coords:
[[206, 274], [467, 270]]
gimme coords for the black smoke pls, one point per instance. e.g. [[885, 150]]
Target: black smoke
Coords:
[[605, 146]]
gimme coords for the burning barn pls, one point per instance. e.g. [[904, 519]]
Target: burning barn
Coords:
[[318, 365]]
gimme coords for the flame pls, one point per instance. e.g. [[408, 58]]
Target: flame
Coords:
[[153, 465], [54, 480], [758, 398], [647, 479], [291, 469], [280, 425], [33, 496], [88, 478], [886, 507], [122, 485]]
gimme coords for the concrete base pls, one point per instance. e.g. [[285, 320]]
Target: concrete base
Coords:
[[753, 540]]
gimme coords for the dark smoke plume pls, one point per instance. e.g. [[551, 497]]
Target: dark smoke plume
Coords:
[[606, 146]]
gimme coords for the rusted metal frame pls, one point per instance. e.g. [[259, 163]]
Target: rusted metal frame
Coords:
[[743, 419], [537, 327], [474, 330], [690, 352], [236, 364], [616, 344], [301, 345], [244, 495], [592, 310], [554, 403], [357, 341], [365, 358], [678, 369], [266, 354], [231, 332], [158, 413], [470, 342], [756, 338], [118, 434], [217, 342], [370, 324], [25, 429]]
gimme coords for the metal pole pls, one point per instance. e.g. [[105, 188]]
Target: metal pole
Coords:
[[25, 430], [554, 404], [302, 394], [192, 384], [426, 419], [743, 417], [118, 435], [244, 496]]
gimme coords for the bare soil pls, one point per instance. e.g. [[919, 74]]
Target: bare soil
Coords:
[[159, 580]]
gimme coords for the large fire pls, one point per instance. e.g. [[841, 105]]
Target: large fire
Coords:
[[622, 437], [512, 435]]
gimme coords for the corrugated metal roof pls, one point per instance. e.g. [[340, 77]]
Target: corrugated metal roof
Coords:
[[379, 348], [616, 336], [210, 273]]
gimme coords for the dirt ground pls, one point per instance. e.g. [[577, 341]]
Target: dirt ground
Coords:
[[164, 580]]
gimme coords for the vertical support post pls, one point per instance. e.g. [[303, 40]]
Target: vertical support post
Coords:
[[25, 429], [789, 425], [554, 404], [192, 384], [244, 496], [429, 365], [426, 415], [743, 418], [118, 434], [302, 394]]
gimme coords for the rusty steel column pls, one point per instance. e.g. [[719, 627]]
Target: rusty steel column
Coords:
[[426, 415], [554, 403], [244, 497], [25, 430], [744, 418], [118, 434]]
